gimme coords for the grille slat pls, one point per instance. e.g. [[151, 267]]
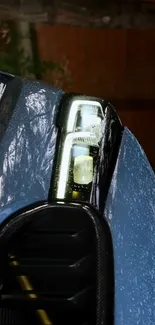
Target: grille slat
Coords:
[[63, 245], [76, 302], [77, 269]]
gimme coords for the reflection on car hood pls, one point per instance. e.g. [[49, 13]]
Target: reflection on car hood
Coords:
[[27, 147]]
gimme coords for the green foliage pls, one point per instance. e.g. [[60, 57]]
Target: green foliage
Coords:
[[14, 60]]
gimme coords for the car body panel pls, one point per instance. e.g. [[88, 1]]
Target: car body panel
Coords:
[[130, 211], [27, 148]]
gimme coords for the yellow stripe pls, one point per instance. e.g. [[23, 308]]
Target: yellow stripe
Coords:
[[43, 317], [26, 285]]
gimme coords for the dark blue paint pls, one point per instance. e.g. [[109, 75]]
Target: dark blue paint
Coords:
[[130, 210], [28, 147]]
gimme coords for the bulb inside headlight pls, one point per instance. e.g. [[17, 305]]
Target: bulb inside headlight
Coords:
[[83, 170]]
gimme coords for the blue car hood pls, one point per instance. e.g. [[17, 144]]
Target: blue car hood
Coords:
[[28, 146]]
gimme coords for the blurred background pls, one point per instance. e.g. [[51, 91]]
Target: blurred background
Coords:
[[115, 64]]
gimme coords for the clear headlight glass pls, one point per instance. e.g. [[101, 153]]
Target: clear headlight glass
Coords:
[[80, 148]]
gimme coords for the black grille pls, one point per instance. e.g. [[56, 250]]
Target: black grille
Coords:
[[57, 270]]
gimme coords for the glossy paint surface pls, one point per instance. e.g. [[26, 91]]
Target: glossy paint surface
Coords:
[[130, 211], [28, 147]]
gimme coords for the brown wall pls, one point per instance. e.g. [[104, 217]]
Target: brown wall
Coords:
[[108, 63], [113, 64]]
